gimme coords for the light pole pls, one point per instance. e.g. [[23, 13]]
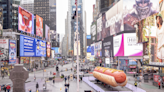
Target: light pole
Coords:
[[77, 46]]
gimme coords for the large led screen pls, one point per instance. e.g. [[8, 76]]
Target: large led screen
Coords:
[[105, 32], [27, 46], [94, 31], [25, 21], [126, 45], [136, 10], [12, 52], [40, 48], [114, 19], [93, 50], [1, 21], [48, 49], [98, 49], [151, 31], [107, 47], [39, 26], [47, 30], [99, 28]]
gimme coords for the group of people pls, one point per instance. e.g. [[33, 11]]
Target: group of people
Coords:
[[6, 88]]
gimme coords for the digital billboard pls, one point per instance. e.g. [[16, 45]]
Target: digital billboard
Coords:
[[12, 52], [94, 32], [39, 26], [151, 31], [27, 46], [126, 45], [88, 36], [25, 21], [40, 48], [114, 19], [48, 49], [107, 47], [98, 49], [1, 21], [47, 32], [105, 32], [4, 49], [89, 49], [93, 50], [99, 28], [136, 10]]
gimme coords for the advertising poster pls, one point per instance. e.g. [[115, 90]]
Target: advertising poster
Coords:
[[1, 21], [161, 5], [89, 49], [40, 48], [114, 19], [118, 45], [126, 45], [12, 52], [48, 49], [27, 46], [4, 49], [152, 29], [94, 32], [47, 29], [131, 47], [135, 12], [25, 21], [25, 60], [99, 28], [98, 49], [75, 48], [107, 47], [105, 32], [93, 50], [39, 26]]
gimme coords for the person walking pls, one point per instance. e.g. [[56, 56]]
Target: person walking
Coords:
[[66, 90], [68, 78], [159, 84], [30, 90], [4, 88], [135, 84], [65, 79], [37, 86], [53, 81], [68, 86], [34, 78], [8, 88]]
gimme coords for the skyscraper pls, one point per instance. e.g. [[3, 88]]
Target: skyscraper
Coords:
[[41, 8], [7, 13], [28, 5]]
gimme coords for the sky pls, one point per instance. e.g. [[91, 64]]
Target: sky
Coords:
[[61, 12]]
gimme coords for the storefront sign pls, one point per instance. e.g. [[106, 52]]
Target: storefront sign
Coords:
[[27, 46], [12, 51], [132, 66], [156, 78], [107, 60]]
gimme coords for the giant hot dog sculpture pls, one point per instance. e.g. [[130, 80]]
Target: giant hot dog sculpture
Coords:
[[109, 76]]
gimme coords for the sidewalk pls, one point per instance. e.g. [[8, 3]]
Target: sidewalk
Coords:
[[149, 87]]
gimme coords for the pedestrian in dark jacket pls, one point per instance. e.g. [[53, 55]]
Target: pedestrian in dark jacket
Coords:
[[37, 86], [65, 79], [53, 81], [4, 88], [66, 89], [68, 85]]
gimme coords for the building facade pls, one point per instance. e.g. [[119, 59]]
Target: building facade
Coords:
[[28, 5], [41, 8]]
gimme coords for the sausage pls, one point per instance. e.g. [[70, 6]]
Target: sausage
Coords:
[[109, 76]]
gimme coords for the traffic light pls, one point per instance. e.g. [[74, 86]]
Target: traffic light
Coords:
[[74, 15]]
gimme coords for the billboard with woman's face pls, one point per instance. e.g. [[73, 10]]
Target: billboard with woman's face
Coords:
[[153, 32], [25, 21], [39, 26]]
